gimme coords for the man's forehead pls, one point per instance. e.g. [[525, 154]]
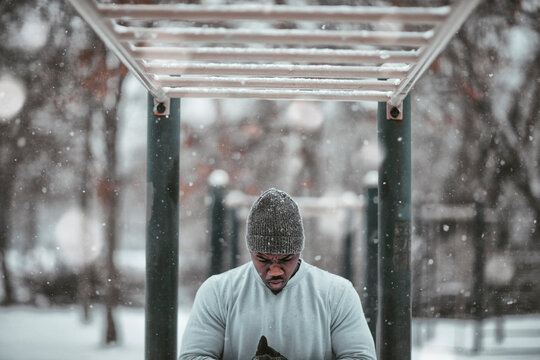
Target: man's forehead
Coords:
[[273, 256]]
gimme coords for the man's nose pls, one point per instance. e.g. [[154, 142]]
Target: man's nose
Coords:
[[275, 270]]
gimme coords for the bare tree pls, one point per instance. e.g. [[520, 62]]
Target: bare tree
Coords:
[[489, 76], [104, 82], [24, 140]]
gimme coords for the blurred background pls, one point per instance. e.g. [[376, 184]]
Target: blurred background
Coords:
[[73, 183]]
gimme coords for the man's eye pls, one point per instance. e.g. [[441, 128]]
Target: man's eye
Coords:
[[263, 260]]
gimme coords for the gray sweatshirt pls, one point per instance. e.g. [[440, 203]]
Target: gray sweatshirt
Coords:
[[316, 316]]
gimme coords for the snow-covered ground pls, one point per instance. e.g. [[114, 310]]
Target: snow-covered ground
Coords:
[[28, 333], [58, 333], [454, 339]]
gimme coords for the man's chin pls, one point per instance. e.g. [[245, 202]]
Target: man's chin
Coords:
[[275, 285]]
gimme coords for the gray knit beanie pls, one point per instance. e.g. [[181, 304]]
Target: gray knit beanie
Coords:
[[274, 225]]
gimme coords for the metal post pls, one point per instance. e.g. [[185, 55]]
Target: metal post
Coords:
[[218, 181], [431, 264], [163, 154], [420, 284], [347, 261], [394, 318], [372, 253], [478, 271], [234, 237]]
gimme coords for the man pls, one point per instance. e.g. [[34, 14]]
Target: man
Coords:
[[277, 306]]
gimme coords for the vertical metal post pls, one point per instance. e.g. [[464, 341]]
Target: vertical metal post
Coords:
[[420, 284], [235, 234], [478, 271], [394, 318], [218, 182], [431, 264], [372, 253], [347, 261], [163, 154]]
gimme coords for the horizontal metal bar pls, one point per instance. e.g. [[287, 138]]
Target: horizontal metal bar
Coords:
[[289, 55], [104, 29], [311, 71], [441, 37], [273, 36], [278, 94], [274, 83], [235, 199], [417, 15]]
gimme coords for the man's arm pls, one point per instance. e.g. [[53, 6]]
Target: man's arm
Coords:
[[204, 333], [351, 338]]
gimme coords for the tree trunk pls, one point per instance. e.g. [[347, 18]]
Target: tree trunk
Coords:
[[111, 336], [84, 286], [7, 182], [111, 211], [112, 285], [105, 81], [9, 297]]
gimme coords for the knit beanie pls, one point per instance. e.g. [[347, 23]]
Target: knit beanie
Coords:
[[274, 224]]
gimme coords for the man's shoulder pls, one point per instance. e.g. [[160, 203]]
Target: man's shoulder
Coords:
[[228, 277], [325, 277], [238, 271]]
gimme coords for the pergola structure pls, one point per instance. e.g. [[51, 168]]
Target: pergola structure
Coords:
[[308, 52]]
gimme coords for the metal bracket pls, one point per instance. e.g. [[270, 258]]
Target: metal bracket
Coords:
[[162, 108], [394, 112]]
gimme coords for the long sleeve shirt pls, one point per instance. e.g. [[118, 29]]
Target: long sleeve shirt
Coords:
[[317, 316]]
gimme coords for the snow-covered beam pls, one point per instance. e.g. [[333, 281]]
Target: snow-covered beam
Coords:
[[270, 94], [276, 54], [273, 36], [276, 83], [373, 14], [311, 71]]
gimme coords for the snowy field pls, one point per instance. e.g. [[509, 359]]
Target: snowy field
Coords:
[[454, 339], [59, 334]]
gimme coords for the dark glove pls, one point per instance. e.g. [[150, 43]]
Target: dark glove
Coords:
[[265, 352]]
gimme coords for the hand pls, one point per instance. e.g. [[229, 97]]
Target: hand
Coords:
[[265, 352]]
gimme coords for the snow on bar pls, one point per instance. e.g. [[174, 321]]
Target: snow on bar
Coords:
[[275, 54], [270, 12], [316, 71], [352, 95], [344, 53], [273, 36], [273, 82]]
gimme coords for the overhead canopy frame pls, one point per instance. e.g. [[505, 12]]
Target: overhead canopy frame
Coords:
[[347, 53]]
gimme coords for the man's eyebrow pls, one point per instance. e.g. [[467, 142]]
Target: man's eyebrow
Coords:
[[263, 257]]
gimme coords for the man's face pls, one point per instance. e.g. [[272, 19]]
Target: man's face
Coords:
[[275, 270]]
